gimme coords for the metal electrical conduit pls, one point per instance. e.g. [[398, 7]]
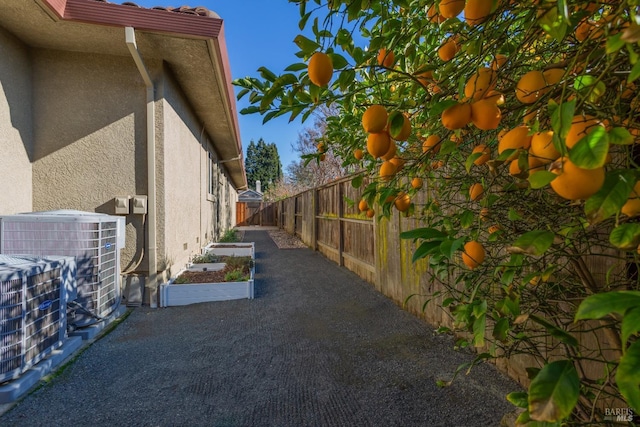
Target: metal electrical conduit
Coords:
[[152, 250]]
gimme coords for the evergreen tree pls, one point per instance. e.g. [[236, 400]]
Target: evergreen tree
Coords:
[[263, 164]]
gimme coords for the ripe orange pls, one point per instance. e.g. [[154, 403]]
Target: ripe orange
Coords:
[[386, 58], [485, 157], [632, 206], [476, 191], [387, 170], [581, 127], [584, 29], [542, 147], [457, 116], [371, 213], [417, 183], [321, 147], [451, 8], [530, 87], [480, 83], [358, 153], [484, 214], [477, 11], [473, 254], [402, 202], [391, 152], [398, 162], [433, 15], [320, 69], [574, 183], [495, 97], [425, 78], [405, 132], [363, 205], [553, 76], [378, 144], [374, 119], [494, 229], [485, 114], [517, 138], [448, 50], [431, 144], [498, 61]]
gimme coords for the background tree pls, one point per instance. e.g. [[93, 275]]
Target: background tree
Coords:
[[262, 164]]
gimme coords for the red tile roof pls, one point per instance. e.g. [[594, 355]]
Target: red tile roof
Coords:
[[200, 11]]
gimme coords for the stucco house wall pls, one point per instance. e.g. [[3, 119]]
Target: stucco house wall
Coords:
[[16, 126]]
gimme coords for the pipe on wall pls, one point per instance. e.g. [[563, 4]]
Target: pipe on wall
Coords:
[[152, 246]]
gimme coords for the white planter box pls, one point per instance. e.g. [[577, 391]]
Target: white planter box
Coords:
[[172, 294], [231, 249]]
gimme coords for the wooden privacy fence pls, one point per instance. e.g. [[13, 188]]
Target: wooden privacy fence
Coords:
[[256, 213]]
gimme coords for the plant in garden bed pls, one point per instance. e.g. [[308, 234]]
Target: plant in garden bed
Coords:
[[521, 122], [237, 268], [229, 236]]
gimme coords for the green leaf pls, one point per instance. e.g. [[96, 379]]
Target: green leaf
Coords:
[[591, 151], [535, 242], [447, 147], [467, 218], [346, 78], [513, 215], [553, 24], [501, 329], [449, 247], [425, 249], [610, 198], [356, 182], [635, 73], [554, 331], [338, 60], [625, 236], [479, 326], [620, 136], [298, 66], [630, 324], [396, 122], [306, 45], [628, 376], [303, 21], [519, 398], [554, 392], [599, 305], [423, 233], [541, 179], [472, 158], [614, 43], [561, 118]]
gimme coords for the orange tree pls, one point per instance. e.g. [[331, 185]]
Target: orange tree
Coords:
[[510, 129]]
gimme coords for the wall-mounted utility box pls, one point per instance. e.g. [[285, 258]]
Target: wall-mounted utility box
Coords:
[[139, 204], [121, 205]]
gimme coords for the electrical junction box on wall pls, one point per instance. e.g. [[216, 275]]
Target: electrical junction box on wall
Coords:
[[122, 205], [139, 204]]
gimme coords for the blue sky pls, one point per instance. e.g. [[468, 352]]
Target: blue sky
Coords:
[[258, 33]]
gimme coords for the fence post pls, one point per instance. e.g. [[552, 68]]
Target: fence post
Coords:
[[340, 227], [314, 227]]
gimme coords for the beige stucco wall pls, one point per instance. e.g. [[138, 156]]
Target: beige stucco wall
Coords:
[[190, 214], [16, 129], [89, 119]]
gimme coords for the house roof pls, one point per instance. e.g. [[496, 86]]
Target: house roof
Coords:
[[190, 40], [249, 195]]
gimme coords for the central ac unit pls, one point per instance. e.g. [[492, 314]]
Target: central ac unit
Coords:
[[93, 239], [33, 296]]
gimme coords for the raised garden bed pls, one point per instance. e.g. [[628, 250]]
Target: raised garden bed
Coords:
[[223, 272]]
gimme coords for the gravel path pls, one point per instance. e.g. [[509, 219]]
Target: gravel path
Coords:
[[317, 347]]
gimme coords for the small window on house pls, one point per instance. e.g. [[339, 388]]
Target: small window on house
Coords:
[[211, 176]]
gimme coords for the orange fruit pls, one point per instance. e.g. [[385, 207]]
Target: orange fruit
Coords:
[[494, 229], [405, 131], [386, 58], [473, 254], [479, 83], [387, 170], [378, 144], [632, 205], [371, 213], [476, 191], [485, 157], [320, 69], [451, 8], [358, 153], [425, 78], [457, 116], [448, 50], [574, 183], [495, 97], [363, 205], [530, 115], [391, 152], [402, 202], [517, 138], [320, 147], [477, 11], [485, 114], [417, 183], [553, 76], [583, 30], [375, 119], [484, 214], [542, 147], [498, 61], [581, 127], [431, 144], [530, 87], [514, 166], [398, 162]]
